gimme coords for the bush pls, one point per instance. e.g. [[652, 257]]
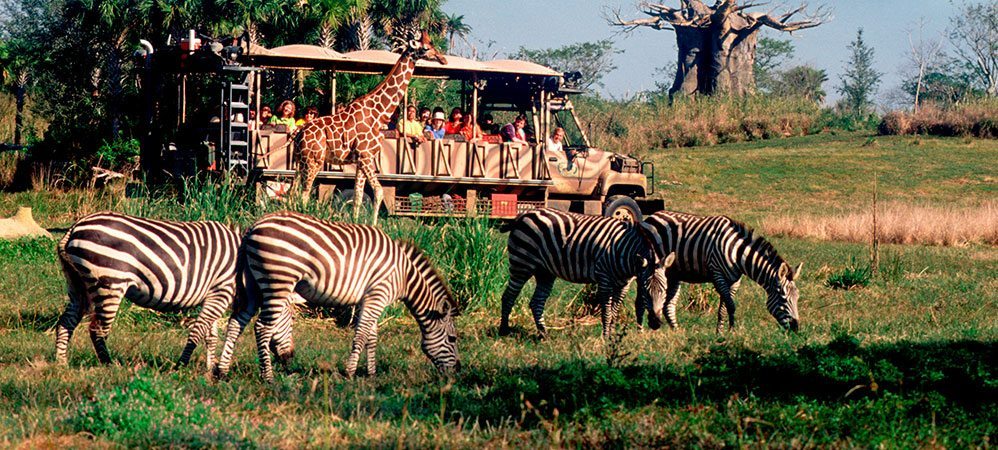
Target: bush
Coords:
[[851, 277], [115, 155], [634, 127], [978, 118]]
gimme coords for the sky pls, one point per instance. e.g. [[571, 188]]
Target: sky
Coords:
[[502, 28]]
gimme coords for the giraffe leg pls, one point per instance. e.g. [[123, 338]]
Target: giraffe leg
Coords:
[[310, 165], [358, 192], [379, 194]]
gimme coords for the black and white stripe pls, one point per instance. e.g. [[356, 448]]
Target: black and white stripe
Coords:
[[719, 250], [335, 264], [160, 265], [547, 244]]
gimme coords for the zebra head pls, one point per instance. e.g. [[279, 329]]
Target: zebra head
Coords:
[[440, 337], [652, 284], [782, 296]]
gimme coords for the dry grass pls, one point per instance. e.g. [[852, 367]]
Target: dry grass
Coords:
[[9, 162], [899, 223], [977, 118], [635, 127]]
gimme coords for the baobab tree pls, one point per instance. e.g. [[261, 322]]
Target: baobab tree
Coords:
[[716, 43]]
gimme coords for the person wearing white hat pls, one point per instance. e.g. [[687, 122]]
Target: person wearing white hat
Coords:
[[435, 130]]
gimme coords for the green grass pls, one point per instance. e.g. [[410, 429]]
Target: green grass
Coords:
[[903, 362]]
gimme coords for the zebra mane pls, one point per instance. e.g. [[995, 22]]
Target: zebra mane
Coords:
[[424, 265], [759, 242]]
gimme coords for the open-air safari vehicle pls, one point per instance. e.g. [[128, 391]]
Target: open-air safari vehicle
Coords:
[[450, 176]]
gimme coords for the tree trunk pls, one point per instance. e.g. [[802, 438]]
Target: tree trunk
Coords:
[[19, 94], [710, 62]]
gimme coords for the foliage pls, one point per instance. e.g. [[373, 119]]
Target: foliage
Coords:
[[977, 118], [860, 79], [770, 54], [974, 35], [851, 277], [801, 81], [593, 60], [113, 155]]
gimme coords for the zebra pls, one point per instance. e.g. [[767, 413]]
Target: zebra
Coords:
[[161, 265], [547, 244], [719, 250], [335, 264]]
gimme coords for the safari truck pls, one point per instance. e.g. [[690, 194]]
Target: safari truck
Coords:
[[445, 177]]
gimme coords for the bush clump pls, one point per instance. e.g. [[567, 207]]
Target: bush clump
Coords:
[[977, 118]]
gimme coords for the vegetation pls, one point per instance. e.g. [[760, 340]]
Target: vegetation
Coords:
[[592, 60], [902, 362], [977, 118], [860, 79]]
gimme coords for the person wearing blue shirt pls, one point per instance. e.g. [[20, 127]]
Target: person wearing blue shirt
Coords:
[[436, 127]]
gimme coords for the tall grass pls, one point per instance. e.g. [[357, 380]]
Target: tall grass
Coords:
[[635, 127], [978, 118], [898, 223], [9, 164]]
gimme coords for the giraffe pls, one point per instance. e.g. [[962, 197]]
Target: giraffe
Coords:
[[353, 133]]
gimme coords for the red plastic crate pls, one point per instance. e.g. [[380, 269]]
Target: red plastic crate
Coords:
[[504, 205]]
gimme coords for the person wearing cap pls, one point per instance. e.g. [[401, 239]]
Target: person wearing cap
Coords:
[[436, 127]]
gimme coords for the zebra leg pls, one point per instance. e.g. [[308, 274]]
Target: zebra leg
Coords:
[[70, 319], [204, 328], [372, 346], [726, 305], [366, 325], [671, 296], [545, 282], [610, 299], [274, 307], [517, 279], [731, 302], [107, 300], [244, 308]]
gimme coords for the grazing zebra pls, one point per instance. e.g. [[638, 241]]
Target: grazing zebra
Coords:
[[719, 250], [160, 265], [547, 244], [335, 264]]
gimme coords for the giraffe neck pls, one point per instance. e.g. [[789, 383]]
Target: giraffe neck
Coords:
[[389, 93]]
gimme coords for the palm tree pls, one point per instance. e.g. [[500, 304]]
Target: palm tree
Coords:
[[454, 26], [14, 68], [331, 15]]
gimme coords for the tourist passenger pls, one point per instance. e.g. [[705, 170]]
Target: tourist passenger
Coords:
[[469, 129], [286, 115], [555, 144], [311, 113], [513, 132], [436, 128], [411, 126], [425, 116], [488, 124], [454, 125], [265, 115]]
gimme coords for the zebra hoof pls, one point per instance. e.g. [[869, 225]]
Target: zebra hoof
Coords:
[[505, 330]]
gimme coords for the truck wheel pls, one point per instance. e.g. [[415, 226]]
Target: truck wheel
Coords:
[[624, 208]]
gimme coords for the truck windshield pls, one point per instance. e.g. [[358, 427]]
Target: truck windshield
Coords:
[[573, 136]]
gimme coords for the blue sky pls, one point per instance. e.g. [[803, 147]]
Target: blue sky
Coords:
[[553, 23]]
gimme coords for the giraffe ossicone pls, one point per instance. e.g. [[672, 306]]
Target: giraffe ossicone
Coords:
[[352, 135]]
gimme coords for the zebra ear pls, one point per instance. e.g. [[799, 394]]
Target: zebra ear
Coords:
[[669, 260], [796, 272]]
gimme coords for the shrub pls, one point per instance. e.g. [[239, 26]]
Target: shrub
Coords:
[[115, 155], [976, 118], [851, 277]]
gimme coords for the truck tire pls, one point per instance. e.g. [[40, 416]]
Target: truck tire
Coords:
[[622, 207]]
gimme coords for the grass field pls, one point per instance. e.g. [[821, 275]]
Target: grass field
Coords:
[[907, 361]]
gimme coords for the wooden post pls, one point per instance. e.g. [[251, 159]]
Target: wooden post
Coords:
[[875, 251], [474, 98], [332, 93]]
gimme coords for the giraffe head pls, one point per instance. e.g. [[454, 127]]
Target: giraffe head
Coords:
[[418, 44]]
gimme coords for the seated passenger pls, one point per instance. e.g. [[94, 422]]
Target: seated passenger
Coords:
[[265, 115], [311, 113], [411, 127], [424, 116], [469, 129], [454, 125], [555, 144], [287, 115], [488, 124], [513, 132], [436, 129]]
